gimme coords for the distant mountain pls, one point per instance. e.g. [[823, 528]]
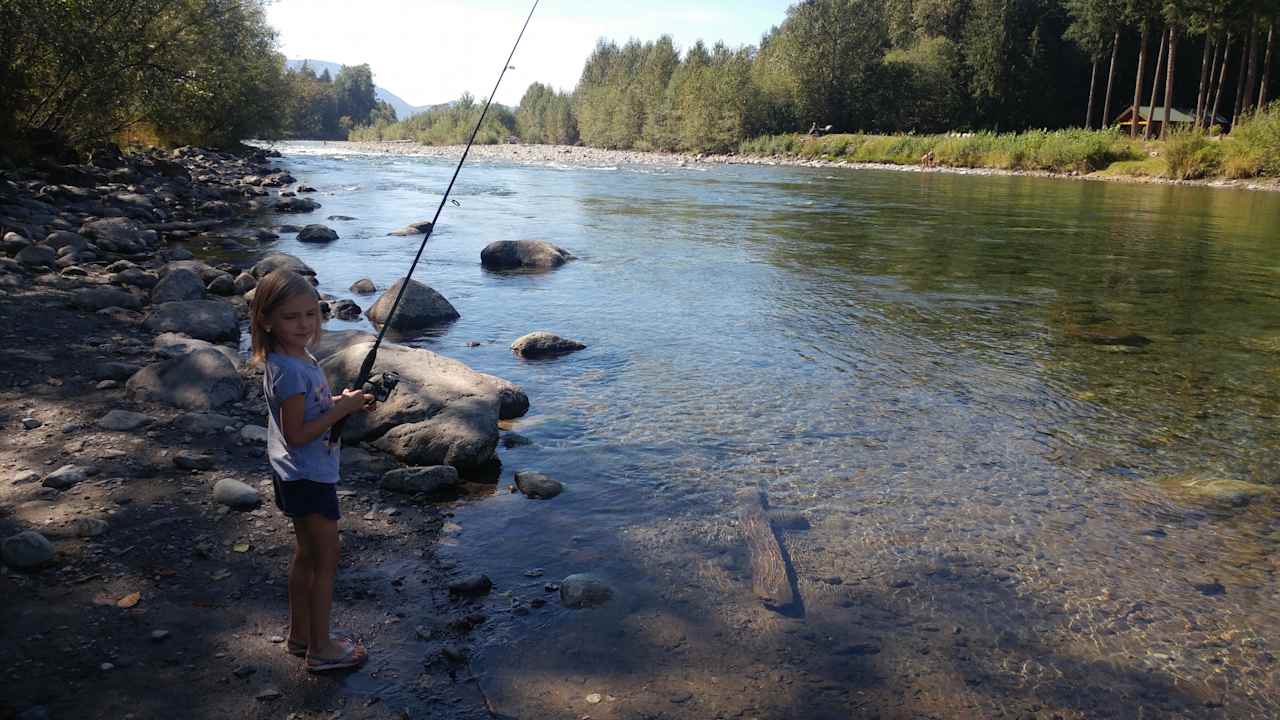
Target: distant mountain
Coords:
[[403, 109]]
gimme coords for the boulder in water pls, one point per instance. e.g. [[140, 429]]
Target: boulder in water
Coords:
[[542, 344], [441, 413], [418, 228], [421, 307], [537, 486], [317, 234], [528, 254], [281, 261], [364, 286]]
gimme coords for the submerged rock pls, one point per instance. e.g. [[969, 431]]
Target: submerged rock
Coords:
[[537, 486], [1217, 490], [543, 344], [471, 585], [529, 254], [584, 590], [418, 228], [421, 307]]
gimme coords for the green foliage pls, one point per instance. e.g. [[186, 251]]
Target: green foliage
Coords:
[[78, 72], [1253, 147], [320, 108], [1189, 155], [546, 116], [1060, 151], [449, 124]]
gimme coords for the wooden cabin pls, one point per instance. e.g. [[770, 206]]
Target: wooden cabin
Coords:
[[1178, 119]]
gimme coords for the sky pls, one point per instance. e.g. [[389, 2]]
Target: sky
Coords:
[[431, 51]]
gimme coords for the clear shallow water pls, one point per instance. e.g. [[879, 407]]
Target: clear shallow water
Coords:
[[976, 389]]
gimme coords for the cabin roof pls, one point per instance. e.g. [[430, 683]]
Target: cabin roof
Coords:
[[1175, 115]]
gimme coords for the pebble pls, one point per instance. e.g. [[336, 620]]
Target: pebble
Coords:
[[244, 671], [106, 666], [26, 476], [107, 385], [31, 423], [235, 494], [159, 635], [594, 698], [193, 461], [123, 421]]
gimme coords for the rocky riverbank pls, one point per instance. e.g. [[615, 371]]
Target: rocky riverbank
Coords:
[[144, 565], [576, 156]]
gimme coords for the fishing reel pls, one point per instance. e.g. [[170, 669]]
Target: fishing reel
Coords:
[[381, 385]]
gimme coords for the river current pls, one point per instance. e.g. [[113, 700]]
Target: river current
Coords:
[[1023, 432]]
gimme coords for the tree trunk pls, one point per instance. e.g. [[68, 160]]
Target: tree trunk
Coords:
[[1137, 83], [1111, 78], [1093, 83], [1251, 82], [1155, 85], [1266, 67], [1174, 33], [1206, 117], [1204, 79], [1222, 79], [1244, 59]]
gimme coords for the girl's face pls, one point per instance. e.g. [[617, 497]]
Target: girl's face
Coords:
[[294, 323]]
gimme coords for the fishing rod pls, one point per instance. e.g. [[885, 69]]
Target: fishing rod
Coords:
[[387, 382]]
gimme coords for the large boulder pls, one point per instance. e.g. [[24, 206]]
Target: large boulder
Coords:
[[202, 319], [317, 234], [441, 413], [421, 307], [281, 261], [529, 254], [178, 285], [200, 380], [543, 344]]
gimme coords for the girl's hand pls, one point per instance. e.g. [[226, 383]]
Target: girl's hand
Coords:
[[353, 401]]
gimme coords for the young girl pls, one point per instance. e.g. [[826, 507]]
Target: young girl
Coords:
[[304, 460]]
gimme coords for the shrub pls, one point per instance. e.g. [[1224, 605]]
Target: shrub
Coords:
[[1253, 147], [1190, 155]]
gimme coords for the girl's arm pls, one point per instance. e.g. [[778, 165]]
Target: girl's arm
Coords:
[[298, 432]]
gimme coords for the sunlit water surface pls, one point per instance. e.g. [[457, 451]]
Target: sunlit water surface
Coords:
[[987, 395]]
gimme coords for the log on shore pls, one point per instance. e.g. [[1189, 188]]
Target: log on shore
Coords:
[[769, 578]]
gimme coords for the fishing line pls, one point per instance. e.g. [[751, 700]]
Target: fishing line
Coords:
[[366, 368]]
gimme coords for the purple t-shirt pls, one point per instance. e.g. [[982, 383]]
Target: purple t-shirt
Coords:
[[285, 377]]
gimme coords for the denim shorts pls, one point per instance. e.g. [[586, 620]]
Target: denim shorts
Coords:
[[300, 498]]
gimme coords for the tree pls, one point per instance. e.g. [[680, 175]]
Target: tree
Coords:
[[353, 92]]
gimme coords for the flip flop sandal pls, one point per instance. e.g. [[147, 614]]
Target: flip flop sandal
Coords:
[[354, 657], [296, 648]]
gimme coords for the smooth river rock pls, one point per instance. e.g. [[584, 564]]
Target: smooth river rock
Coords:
[[544, 344], [584, 590], [441, 413], [317, 234], [418, 228], [364, 286], [537, 486], [236, 495], [199, 380], [202, 319], [421, 307], [412, 480], [26, 550], [527, 254], [100, 298], [279, 261], [123, 421], [65, 477], [178, 285]]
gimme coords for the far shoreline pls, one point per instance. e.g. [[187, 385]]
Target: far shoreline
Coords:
[[588, 157]]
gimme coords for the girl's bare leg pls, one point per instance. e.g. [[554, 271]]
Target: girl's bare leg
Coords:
[[322, 541], [301, 578]]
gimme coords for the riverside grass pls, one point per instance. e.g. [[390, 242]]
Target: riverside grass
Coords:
[[1252, 150]]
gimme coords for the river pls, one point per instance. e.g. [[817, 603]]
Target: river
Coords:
[[1026, 430]]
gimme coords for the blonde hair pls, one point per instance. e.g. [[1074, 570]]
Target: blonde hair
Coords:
[[279, 286]]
